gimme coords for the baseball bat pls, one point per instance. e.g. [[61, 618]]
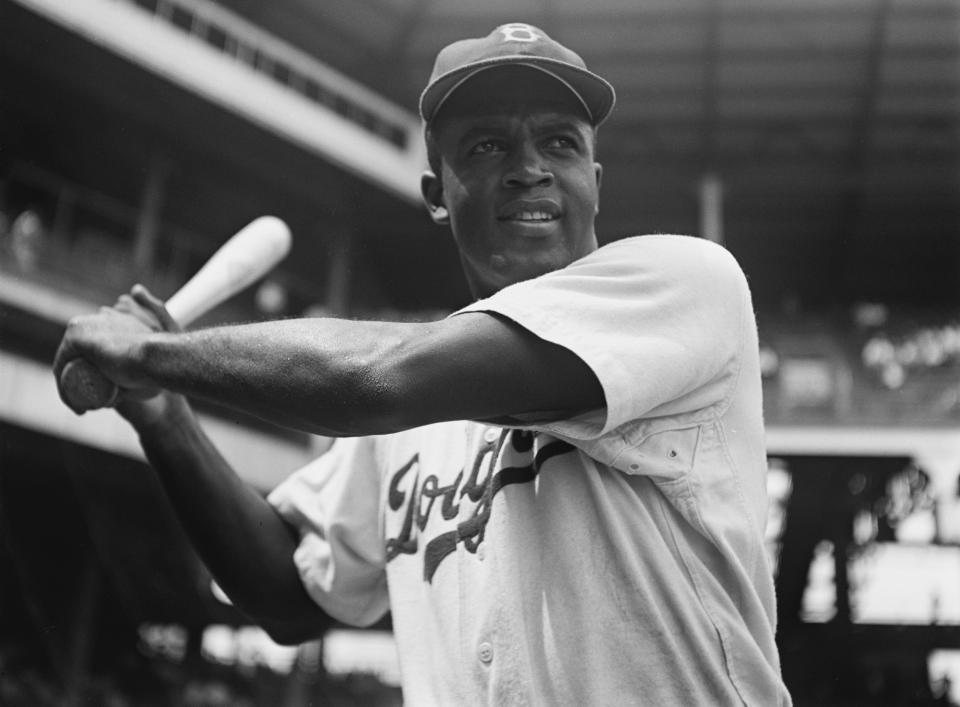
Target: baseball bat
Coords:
[[246, 257]]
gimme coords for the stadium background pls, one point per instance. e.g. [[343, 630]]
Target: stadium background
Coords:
[[818, 140]]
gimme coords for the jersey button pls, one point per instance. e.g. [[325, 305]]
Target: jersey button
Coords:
[[485, 652], [491, 435], [481, 552]]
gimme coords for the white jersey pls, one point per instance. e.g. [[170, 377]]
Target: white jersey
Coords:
[[612, 558]]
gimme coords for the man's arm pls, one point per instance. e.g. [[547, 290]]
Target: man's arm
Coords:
[[331, 376], [245, 544], [344, 378]]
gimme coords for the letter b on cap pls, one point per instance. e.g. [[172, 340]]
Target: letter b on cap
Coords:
[[518, 32]]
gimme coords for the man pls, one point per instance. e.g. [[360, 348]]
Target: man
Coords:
[[558, 492]]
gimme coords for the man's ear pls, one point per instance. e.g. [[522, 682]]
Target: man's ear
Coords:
[[598, 170], [431, 188]]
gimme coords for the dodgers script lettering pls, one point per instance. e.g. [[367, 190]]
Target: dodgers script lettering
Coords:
[[469, 496]]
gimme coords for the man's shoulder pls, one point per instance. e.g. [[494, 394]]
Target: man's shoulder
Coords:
[[677, 241], [668, 250]]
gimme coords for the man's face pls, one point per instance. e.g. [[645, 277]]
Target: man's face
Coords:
[[518, 183]]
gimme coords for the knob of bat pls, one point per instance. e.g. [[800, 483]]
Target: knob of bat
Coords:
[[85, 388]]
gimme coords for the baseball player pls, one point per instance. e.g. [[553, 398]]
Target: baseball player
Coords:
[[558, 492]]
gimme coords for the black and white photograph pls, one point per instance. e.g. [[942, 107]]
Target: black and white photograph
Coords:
[[368, 353]]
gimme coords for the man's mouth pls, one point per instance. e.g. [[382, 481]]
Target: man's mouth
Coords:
[[530, 216], [527, 212]]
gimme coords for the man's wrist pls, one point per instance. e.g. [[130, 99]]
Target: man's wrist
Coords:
[[146, 354], [161, 414]]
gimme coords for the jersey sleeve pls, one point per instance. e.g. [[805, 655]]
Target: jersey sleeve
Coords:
[[334, 502], [659, 320]]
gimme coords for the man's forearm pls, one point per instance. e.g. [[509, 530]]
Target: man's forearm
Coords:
[[323, 376], [245, 544]]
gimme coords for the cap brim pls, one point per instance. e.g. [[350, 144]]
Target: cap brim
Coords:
[[595, 93]]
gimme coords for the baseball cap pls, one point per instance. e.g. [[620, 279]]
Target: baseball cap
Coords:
[[515, 44]]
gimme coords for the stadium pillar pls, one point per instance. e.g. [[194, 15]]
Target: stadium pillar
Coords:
[[82, 636], [339, 267], [711, 208], [148, 220]]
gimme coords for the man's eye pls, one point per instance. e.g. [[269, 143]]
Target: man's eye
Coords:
[[561, 142], [485, 147]]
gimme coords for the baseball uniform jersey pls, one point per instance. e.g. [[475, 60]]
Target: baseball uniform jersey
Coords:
[[613, 557]]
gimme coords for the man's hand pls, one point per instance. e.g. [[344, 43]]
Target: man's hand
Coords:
[[139, 407], [109, 339]]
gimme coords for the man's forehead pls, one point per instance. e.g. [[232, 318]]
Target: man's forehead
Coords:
[[458, 129], [506, 117]]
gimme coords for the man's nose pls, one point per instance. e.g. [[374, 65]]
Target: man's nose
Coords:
[[527, 168]]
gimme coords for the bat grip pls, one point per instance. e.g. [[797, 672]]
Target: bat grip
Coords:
[[86, 388]]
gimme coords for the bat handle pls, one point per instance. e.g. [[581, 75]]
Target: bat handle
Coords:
[[85, 387]]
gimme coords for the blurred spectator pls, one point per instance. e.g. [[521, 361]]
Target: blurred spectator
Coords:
[[271, 298], [27, 234]]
